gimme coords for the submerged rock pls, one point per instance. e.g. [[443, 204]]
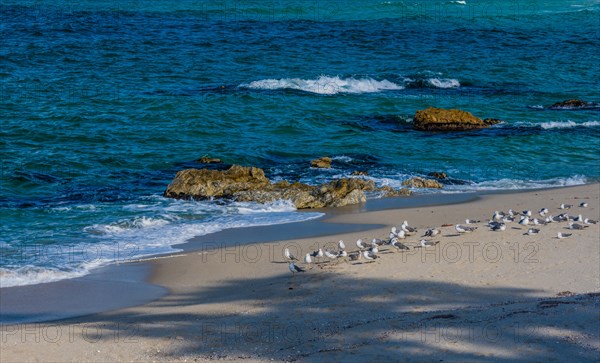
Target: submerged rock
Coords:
[[417, 182], [574, 104], [323, 162], [439, 119], [438, 175], [250, 184], [207, 160]]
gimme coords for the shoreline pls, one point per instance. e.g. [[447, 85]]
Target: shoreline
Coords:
[[222, 297], [139, 273]]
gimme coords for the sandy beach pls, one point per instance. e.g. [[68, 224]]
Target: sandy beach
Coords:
[[482, 296]]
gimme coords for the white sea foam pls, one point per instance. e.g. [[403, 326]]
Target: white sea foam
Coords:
[[33, 275], [567, 124], [325, 85], [444, 82], [516, 184], [173, 222]]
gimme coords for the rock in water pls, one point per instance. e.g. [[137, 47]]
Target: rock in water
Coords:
[[439, 119], [438, 175], [417, 182], [207, 160], [204, 183], [573, 104], [250, 184], [323, 162]]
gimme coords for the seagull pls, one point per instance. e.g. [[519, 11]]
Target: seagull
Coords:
[[464, 229], [538, 222], [532, 231], [374, 249], [508, 219], [341, 245], [330, 255], [378, 242], [360, 245], [495, 226], [355, 256], [342, 254], [498, 216], [317, 254], [399, 245], [471, 221], [401, 234], [307, 259], [576, 226], [543, 212], [408, 229], [589, 221], [563, 235], [579, 218], [524, 221], [431, 232], [295, 268], [583, 205], [565, 206], [394, 232], [288, 255], [526, 213], [512, 213], [369, 255], [425, 243]]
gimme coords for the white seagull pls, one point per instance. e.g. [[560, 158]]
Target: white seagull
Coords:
[[399, 245], [360, 245], [471, 221], [464, 229], [543, 212], [589, 221], [431, 232], [583, 205], [495, 226], [565, 206], [307, 259], [341, 245], [524, 221], [369, 255], [330, 254], [576, 226], [288, 255], [295, 268], [408, 229], [532, 231], [563, 235], [425, 243]]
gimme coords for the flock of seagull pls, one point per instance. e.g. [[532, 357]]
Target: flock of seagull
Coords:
[[498, 222]]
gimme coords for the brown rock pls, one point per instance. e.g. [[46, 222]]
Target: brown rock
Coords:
[[360, 172], [250, 184], [571, 104], [417, 182], [203, 183], [439, 119], [323, 162], [438, 175]]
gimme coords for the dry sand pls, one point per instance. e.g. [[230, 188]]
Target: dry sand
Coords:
[[483, 296]]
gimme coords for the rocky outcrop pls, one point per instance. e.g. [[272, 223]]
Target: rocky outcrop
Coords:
[[417, 182], [439, 119], [323, 162], [574, 104], [250, 184]]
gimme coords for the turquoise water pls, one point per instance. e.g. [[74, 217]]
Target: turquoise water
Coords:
[[104, 101]]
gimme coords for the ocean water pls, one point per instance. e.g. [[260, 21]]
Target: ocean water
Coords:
[[102, 102]]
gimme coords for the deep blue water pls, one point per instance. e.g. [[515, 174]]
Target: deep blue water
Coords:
[[102, 102]]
